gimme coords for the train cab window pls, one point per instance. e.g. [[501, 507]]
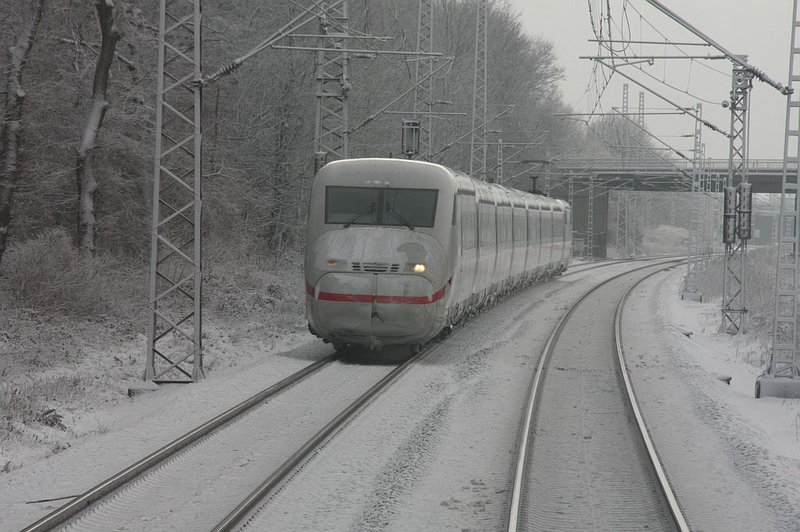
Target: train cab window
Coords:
[[380, 206], [351, 205], [409, 206]]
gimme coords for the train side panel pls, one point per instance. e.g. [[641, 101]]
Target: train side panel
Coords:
[[487, 244], [534, 239], [466, 255], [504, 241], [520, 239]]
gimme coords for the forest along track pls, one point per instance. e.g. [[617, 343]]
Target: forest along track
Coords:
[[585, 457], [218, 452]]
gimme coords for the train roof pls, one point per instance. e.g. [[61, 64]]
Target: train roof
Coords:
[[354, 169]]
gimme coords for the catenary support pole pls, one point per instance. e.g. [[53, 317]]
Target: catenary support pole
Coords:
[[174, 336], [477, 160], [734, 306], [782, 375]]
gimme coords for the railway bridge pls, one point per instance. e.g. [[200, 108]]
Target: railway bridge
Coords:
[[588, 184]]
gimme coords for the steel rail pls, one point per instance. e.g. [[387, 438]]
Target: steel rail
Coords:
[[663, 482], [258, 496], [521, 467], [105, 488], [83, 502], [601, 263]]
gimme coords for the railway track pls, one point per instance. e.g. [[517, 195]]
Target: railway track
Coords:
[[144, 489], [136, 494], [581, 462]]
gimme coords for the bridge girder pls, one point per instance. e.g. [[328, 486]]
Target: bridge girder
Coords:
[[765, 177]]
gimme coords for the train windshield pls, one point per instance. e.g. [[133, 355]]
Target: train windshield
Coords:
[[351, 205], [409, 207]]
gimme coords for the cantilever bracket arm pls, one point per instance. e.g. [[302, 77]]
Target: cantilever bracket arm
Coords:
[[297, 22], [683, 110], [733, 57]]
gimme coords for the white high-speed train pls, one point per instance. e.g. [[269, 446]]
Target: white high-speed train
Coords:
[[397, 250]]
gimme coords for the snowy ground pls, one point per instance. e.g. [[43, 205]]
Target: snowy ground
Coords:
[[98, 430], [734, 460]]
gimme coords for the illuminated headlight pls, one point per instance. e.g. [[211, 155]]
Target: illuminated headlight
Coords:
[[418, 268]]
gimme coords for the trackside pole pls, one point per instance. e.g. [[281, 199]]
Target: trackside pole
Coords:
[[781, 378], [174, 335]]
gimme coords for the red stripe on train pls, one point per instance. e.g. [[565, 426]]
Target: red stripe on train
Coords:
[[367, 298]]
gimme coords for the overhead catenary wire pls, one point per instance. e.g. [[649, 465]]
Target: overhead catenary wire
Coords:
[[307, 15], [667, 42], [297, 22], [677, 45], [678, 107], [594, 77], [757, 73], [677, 152]]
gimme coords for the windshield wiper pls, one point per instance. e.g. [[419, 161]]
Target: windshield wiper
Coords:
[[399, 216], [366, 210]]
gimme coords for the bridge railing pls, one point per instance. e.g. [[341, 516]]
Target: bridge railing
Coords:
[[650, 166]]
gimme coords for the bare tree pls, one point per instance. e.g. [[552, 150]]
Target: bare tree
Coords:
[[12, 122], [87, 184]]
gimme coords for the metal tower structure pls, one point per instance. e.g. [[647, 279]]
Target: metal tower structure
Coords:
[[630, 223], [638, 222], [634, 217], [735, 226], [623, 214], [733, 289], [423, 96], [332, 132], [622, 223], [547, 171], [477, 159], [500, 161], [673, 207], [174, 335], [590, 219], [626, 133], [640, 123], [711, 222], [690, 290], [785, 359], [717, 187], [641, 110]]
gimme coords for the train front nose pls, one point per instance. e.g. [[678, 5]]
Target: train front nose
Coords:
[[363, 288], [375, 309]]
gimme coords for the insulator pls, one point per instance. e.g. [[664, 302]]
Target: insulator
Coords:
[[224, 71], [729, 216], [745, 211]]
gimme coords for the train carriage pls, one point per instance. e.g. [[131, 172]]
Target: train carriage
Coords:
[[397, 250]]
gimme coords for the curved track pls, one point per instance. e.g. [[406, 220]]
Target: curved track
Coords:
[[142, 492], [581, 462]]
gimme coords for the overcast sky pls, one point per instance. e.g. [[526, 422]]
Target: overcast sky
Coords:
[[760, 29]]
